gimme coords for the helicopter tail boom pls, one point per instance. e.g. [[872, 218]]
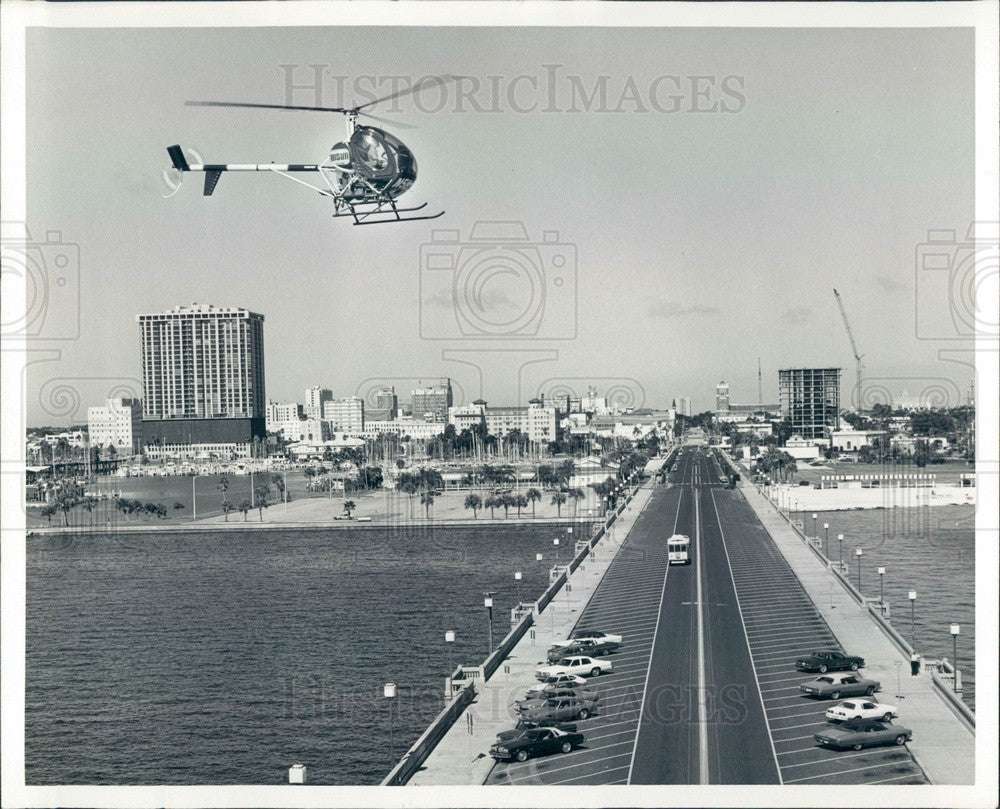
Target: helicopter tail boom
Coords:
[[177, 157]]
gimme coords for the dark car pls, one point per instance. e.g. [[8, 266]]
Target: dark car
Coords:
[[858, 733], [524, 725], [588, 699], [829, 660], [536, 743], [582, 646], [559, 710]]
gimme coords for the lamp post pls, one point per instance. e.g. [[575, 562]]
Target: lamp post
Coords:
[[913, 601], [488, 603], [955, 629], [194, 499], [815, 531], [881, 588], [517, 578], [840, 539], [449, 639], [859, 554], [556, 543], [826, 540], [389, 692]]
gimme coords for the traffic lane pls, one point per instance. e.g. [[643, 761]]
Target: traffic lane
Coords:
[[740, 750], [772, 596], [666, 748], [625, 602]]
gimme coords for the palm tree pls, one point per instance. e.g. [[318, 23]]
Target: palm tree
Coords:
[[475, 502], [245, 508], [226, 508], [521, 501], [576, 494], [506, 500], [491, 502], [532, 495], [223, 486], [427, 500], [349, 506], [279, 484], [48, 510], [558, 498]]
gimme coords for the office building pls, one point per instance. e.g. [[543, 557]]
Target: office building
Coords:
[[432, 403], [682, 404], [722, 398], [315, 399], [202, 375], [810, 400], [346, 415], [118, 424], [383, 405], [536, 421]]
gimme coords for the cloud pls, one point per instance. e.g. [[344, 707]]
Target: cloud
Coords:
[[797, 314], [889, 284], [669, 309]]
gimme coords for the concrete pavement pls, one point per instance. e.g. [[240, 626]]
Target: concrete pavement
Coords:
[[942, 744]]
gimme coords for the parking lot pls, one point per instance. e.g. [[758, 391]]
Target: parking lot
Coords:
[[782, 624], [626, 602]]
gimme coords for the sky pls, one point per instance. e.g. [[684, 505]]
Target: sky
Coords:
[[699, 213]]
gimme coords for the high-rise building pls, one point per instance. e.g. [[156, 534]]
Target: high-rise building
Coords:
[[345, 415], [722, 398], [682, 404], [385, 407], [810, 400], [118, 424], [202, 375], [432, 403], [315, 399]]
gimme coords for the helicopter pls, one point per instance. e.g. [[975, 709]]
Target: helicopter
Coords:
[[363, 174]]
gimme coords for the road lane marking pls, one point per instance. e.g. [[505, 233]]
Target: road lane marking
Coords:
[[702, 695], [739, 607]]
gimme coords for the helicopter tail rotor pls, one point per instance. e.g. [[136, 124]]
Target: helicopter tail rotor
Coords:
[[177, 157]]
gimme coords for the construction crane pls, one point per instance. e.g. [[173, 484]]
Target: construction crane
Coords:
[[859, 364]]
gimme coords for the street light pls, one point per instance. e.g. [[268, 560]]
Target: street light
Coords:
[[840, 538], [826, 540], [517, 578], [955, 629], [815, 531], [488, 603], [449, 639], [859, 553], [556, 543], [194, 499], [913, 601], [389, 692], [881, 588]]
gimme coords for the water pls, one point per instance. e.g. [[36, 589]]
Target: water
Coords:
[[929, 550], [192, 659]]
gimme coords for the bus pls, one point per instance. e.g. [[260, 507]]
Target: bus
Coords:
[[678, 550]]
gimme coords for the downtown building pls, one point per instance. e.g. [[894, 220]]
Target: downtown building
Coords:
[[316, 397], [117, 425], [432, 403], [810, 400], [203, 381], [345, 415]]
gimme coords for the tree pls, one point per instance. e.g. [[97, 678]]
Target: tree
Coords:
[[89, 504], [521, 502], [226, 508], [48, 510], [576, 494], [262, 496], [491, 502], [279, 484], [506, 500], [349, 506], [427, 500], [558, 498], [245, 508], [533, 495], [223, 486], [475, 502]]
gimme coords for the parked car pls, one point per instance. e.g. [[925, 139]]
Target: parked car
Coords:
[[587, 646], [553, 690], [835, 686], [829, 660], [524, 725], [559, 710], [562, 679], [535, 743], [858, 733], [527, 706], [590, 634], [579, 664], [861, 709]]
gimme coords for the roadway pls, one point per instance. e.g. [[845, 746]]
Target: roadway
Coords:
[[705, 689]]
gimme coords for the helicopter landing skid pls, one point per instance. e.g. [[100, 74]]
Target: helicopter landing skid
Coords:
[[383, 212]]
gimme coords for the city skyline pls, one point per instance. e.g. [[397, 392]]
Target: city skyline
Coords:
[[711, 226]]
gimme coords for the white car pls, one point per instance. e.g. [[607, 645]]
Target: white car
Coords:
[[578, 664], [590, 634], [559, 681], [861, 709]]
